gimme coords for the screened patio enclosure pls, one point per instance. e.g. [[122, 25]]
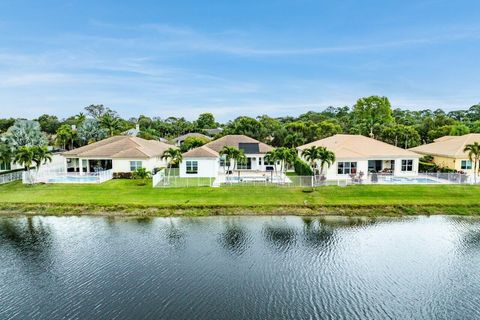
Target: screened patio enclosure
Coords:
[[88, 165]]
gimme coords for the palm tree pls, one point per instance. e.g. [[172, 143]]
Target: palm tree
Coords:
[[272, 157], [286, 156], [325, 157], [317, 155], [110, 123], [311, 155], [6, 154], [65, 136], [172, 156], [141, 174], [239, 157], [474, 156], [25, 156], [41, 155], [229, 154]]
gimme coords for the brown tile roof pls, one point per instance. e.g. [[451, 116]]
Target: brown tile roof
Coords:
[[201, 152], [448, 146], [234, 141], [121, 147], [357, 146]]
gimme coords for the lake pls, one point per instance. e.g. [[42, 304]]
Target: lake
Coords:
[[239, 268]]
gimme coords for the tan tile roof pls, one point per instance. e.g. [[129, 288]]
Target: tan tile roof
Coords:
[[356, 146], [121, 147], [201, 152], [448, 146], [234, 141]]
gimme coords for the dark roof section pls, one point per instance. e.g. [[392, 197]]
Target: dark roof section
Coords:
[[249, 148]]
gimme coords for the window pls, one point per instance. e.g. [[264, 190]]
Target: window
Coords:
[[4, 166], [407, 165], [466, 164], [192, 167], [134, 165], [259, 161], [347, 168]]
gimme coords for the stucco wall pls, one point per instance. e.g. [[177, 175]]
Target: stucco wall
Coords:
[[207, 167]]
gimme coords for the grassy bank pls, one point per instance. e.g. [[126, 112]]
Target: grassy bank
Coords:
[[125, 197]]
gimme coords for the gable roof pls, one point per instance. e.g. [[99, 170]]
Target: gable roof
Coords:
[[237, 141], [358, 146], [201, 152], [121, 147], [448, 146]]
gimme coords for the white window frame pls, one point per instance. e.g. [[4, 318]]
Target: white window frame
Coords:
[[191, 166], [466, 165], [407, 165], [135, 165], [347, 169]]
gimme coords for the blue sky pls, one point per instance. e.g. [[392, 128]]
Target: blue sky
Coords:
[[182, 58]]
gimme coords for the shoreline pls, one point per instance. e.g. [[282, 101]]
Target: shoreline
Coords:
[[55, 209]]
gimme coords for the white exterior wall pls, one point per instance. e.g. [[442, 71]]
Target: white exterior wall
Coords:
[[207, 167], [362, 165], [123, 165]]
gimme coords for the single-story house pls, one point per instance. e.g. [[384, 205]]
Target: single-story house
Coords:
[[180, 139], [448, 152], [122, 154], [205, 161], [356, 153]]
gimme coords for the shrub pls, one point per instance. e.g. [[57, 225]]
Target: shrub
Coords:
[[302, 168]]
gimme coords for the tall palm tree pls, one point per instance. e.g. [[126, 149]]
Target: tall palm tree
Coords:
[[272, 157], [172, 156], [317, 155], [474, 156]]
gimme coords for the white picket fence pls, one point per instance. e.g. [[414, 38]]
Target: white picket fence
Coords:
[[10, 177]]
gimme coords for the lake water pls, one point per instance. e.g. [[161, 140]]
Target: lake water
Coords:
[[239, 268]]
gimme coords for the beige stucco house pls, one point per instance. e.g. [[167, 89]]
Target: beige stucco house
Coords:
[[355, 154], [122, 154], [448, 152]]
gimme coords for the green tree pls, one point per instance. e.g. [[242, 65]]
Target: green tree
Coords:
[[473, 151], [318, 155], [90, 131], [371, 113], [48, 123], [25, 133], [193, 142], [110, 123], [205, 121], [66, 136], [41, 155], [6, 153]]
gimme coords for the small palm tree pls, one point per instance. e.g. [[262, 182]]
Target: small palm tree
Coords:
[[141, 174], [110, 123], [25, 156], [41, 155], [325, 157], [229, 154], [474, 156], [172, 156], [317, 155]]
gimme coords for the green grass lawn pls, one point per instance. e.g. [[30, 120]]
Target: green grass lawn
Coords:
[[127, 192]]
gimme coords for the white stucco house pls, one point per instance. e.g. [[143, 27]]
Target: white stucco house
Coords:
[[205, 161], [357, 153], [122, 154]]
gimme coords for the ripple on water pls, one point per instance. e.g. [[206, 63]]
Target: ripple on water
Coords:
[[240, 268]]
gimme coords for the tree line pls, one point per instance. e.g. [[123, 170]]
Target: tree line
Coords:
[[370, 116]]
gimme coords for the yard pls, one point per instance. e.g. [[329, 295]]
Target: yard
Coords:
[[461, 199]]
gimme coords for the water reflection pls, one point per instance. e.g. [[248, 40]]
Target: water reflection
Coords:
[[175, 234], [29, 237], [316, 233], [280, 236], [234, 238]]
